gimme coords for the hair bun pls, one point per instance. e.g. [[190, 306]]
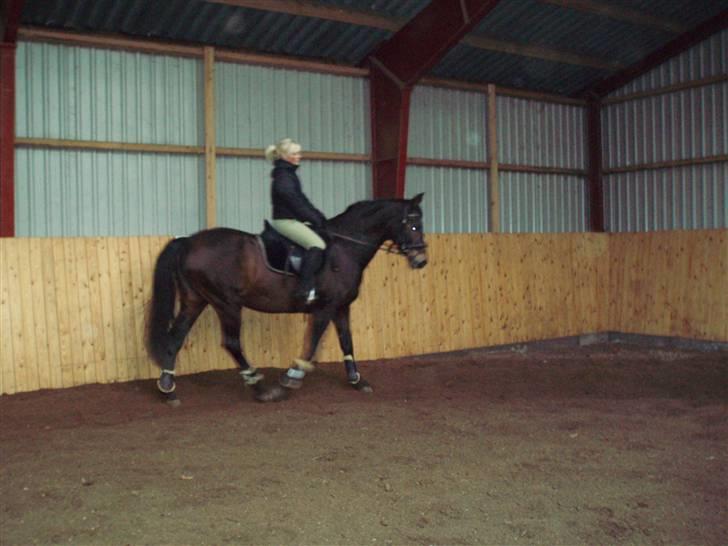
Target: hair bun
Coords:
[[271, 153]]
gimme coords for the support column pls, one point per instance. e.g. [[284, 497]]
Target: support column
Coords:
[[596, 188], [390, 100], [210, 140], [493, 182], [396, 66], [7, 139]]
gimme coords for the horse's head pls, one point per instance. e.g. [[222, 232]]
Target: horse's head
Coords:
[[410, 237]]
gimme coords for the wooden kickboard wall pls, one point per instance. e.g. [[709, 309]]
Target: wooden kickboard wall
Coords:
[[72, 310]]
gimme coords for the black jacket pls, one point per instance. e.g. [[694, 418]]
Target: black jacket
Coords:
[[289, 202]]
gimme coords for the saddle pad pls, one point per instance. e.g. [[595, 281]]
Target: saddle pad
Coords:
[[281, 255]]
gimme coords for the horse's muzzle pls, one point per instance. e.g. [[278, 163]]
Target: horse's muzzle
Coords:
[[417, 259]]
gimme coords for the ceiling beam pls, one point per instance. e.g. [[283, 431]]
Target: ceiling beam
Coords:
[[682, 43], [620, 14], [394, 68], [305, 8], [539, 52], [319, 11]]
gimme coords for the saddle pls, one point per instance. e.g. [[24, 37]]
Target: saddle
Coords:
[[281, 254]]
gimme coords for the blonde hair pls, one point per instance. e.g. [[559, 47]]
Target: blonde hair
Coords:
[[284, 148]]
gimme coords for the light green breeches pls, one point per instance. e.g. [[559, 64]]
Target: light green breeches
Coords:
[[298, 232]]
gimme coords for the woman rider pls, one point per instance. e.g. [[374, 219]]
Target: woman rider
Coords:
[[293, 213]]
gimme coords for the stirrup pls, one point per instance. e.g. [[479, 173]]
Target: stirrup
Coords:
[[311, 296]]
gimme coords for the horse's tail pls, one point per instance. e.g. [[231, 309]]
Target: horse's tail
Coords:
[[164, 292]]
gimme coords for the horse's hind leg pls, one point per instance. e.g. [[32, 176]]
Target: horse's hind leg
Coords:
[[230, 323], [341, 321], [183, 322]]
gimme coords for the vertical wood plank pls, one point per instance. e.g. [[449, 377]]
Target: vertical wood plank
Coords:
[[39, 297], [127, 318], [26, 280], [210, 142], [87, 326], [97, 366], [137, 307], [117, 300], [106, 312], [493, 179], [8, 335], [52, 319], [146, 262], [63, 306]]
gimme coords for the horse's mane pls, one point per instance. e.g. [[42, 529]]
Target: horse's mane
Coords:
[[363, 209]]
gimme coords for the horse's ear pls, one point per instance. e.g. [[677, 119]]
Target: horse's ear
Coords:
[[417, 199]]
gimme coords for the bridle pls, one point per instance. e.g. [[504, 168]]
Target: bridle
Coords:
[[401, 249]]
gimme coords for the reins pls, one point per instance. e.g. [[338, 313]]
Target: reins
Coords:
[[386, 248]]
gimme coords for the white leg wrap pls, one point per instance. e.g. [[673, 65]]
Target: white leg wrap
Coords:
[[305, 365], [251, 376], [348, 358], [295, 374]]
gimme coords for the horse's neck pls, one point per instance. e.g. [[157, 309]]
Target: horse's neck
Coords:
[[373, 225], [371, 230]]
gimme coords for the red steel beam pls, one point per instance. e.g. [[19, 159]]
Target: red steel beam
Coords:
[[596, 187], [9, 23], [10, 20], [7, 140], [395, 66], [682, 43]]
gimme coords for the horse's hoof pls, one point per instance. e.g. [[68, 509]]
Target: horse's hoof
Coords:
[[290, 382], [275, 394], [362, 386]]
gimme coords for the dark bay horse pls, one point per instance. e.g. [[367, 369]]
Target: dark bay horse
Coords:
[[225, 268]]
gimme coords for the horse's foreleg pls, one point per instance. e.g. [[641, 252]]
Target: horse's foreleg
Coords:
[[230, 322], [181, 326], [341, 321], [293, 377]]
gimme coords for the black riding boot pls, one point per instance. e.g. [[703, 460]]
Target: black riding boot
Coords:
[[312, 262]]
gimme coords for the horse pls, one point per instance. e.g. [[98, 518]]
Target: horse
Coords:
[[227, 269]]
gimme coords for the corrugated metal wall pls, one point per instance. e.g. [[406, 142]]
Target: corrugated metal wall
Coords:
[[542, 202], [88, 193], [99, 95], [257, 106], [243, 196], [449, 124], [452, 125], [688, 124], [683, 125], [693, 197], [702, 61], [456, 200], [91, 94], [545, 135]]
